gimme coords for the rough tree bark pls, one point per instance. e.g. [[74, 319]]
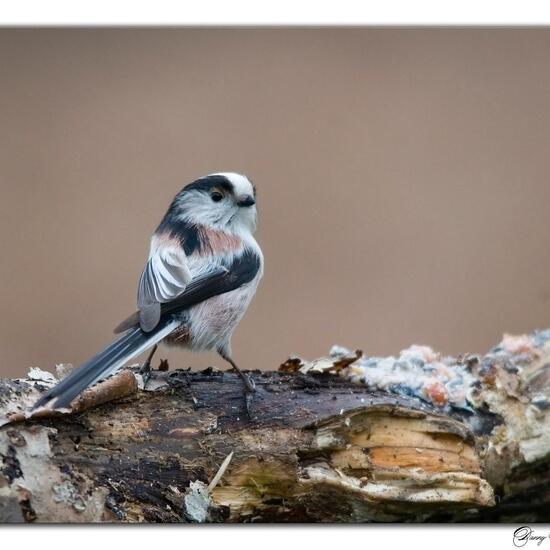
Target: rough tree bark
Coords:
[[323, 445]]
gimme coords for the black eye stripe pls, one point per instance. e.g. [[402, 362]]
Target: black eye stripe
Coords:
[[208, 183], [226, 185]]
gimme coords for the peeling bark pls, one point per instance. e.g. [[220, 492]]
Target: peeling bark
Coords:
[[323, 446]]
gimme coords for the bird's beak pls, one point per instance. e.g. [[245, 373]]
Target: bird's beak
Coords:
[[246, 200]]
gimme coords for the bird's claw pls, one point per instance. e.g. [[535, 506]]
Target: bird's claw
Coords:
[[145, 369], [249, 391], [145, 372]]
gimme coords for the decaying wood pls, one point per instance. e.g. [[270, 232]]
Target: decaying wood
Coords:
[[322, 446]]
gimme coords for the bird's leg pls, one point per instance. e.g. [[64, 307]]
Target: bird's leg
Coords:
[[248, 384], [145, 369]]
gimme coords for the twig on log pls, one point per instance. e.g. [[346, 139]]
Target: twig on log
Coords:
[[120, 385]]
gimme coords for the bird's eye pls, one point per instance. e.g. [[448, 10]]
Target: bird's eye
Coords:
[[216, 196]]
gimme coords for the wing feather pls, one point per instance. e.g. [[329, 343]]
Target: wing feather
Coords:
[[165, 277]]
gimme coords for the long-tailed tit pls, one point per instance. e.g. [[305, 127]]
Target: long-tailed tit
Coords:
[[203, 269]]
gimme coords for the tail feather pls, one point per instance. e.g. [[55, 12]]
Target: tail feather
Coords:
[[103, 364]]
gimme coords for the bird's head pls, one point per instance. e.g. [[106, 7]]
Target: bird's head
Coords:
[[225, 201]]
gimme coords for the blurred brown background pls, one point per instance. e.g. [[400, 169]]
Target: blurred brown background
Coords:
[[403, 176]]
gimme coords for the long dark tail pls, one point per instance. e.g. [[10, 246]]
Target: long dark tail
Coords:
[[101, 365]]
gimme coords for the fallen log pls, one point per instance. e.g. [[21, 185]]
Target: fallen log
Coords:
[[347, 438]]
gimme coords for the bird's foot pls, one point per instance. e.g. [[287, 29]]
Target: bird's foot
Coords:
[[145, 371], [249, 389]]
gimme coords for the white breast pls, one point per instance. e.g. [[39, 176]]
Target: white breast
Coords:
[[211, 323]]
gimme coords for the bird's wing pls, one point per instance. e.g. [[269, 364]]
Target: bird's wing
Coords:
[[218, 280], [164, 278]]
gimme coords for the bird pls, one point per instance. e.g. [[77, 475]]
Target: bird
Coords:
[[203, 269]]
